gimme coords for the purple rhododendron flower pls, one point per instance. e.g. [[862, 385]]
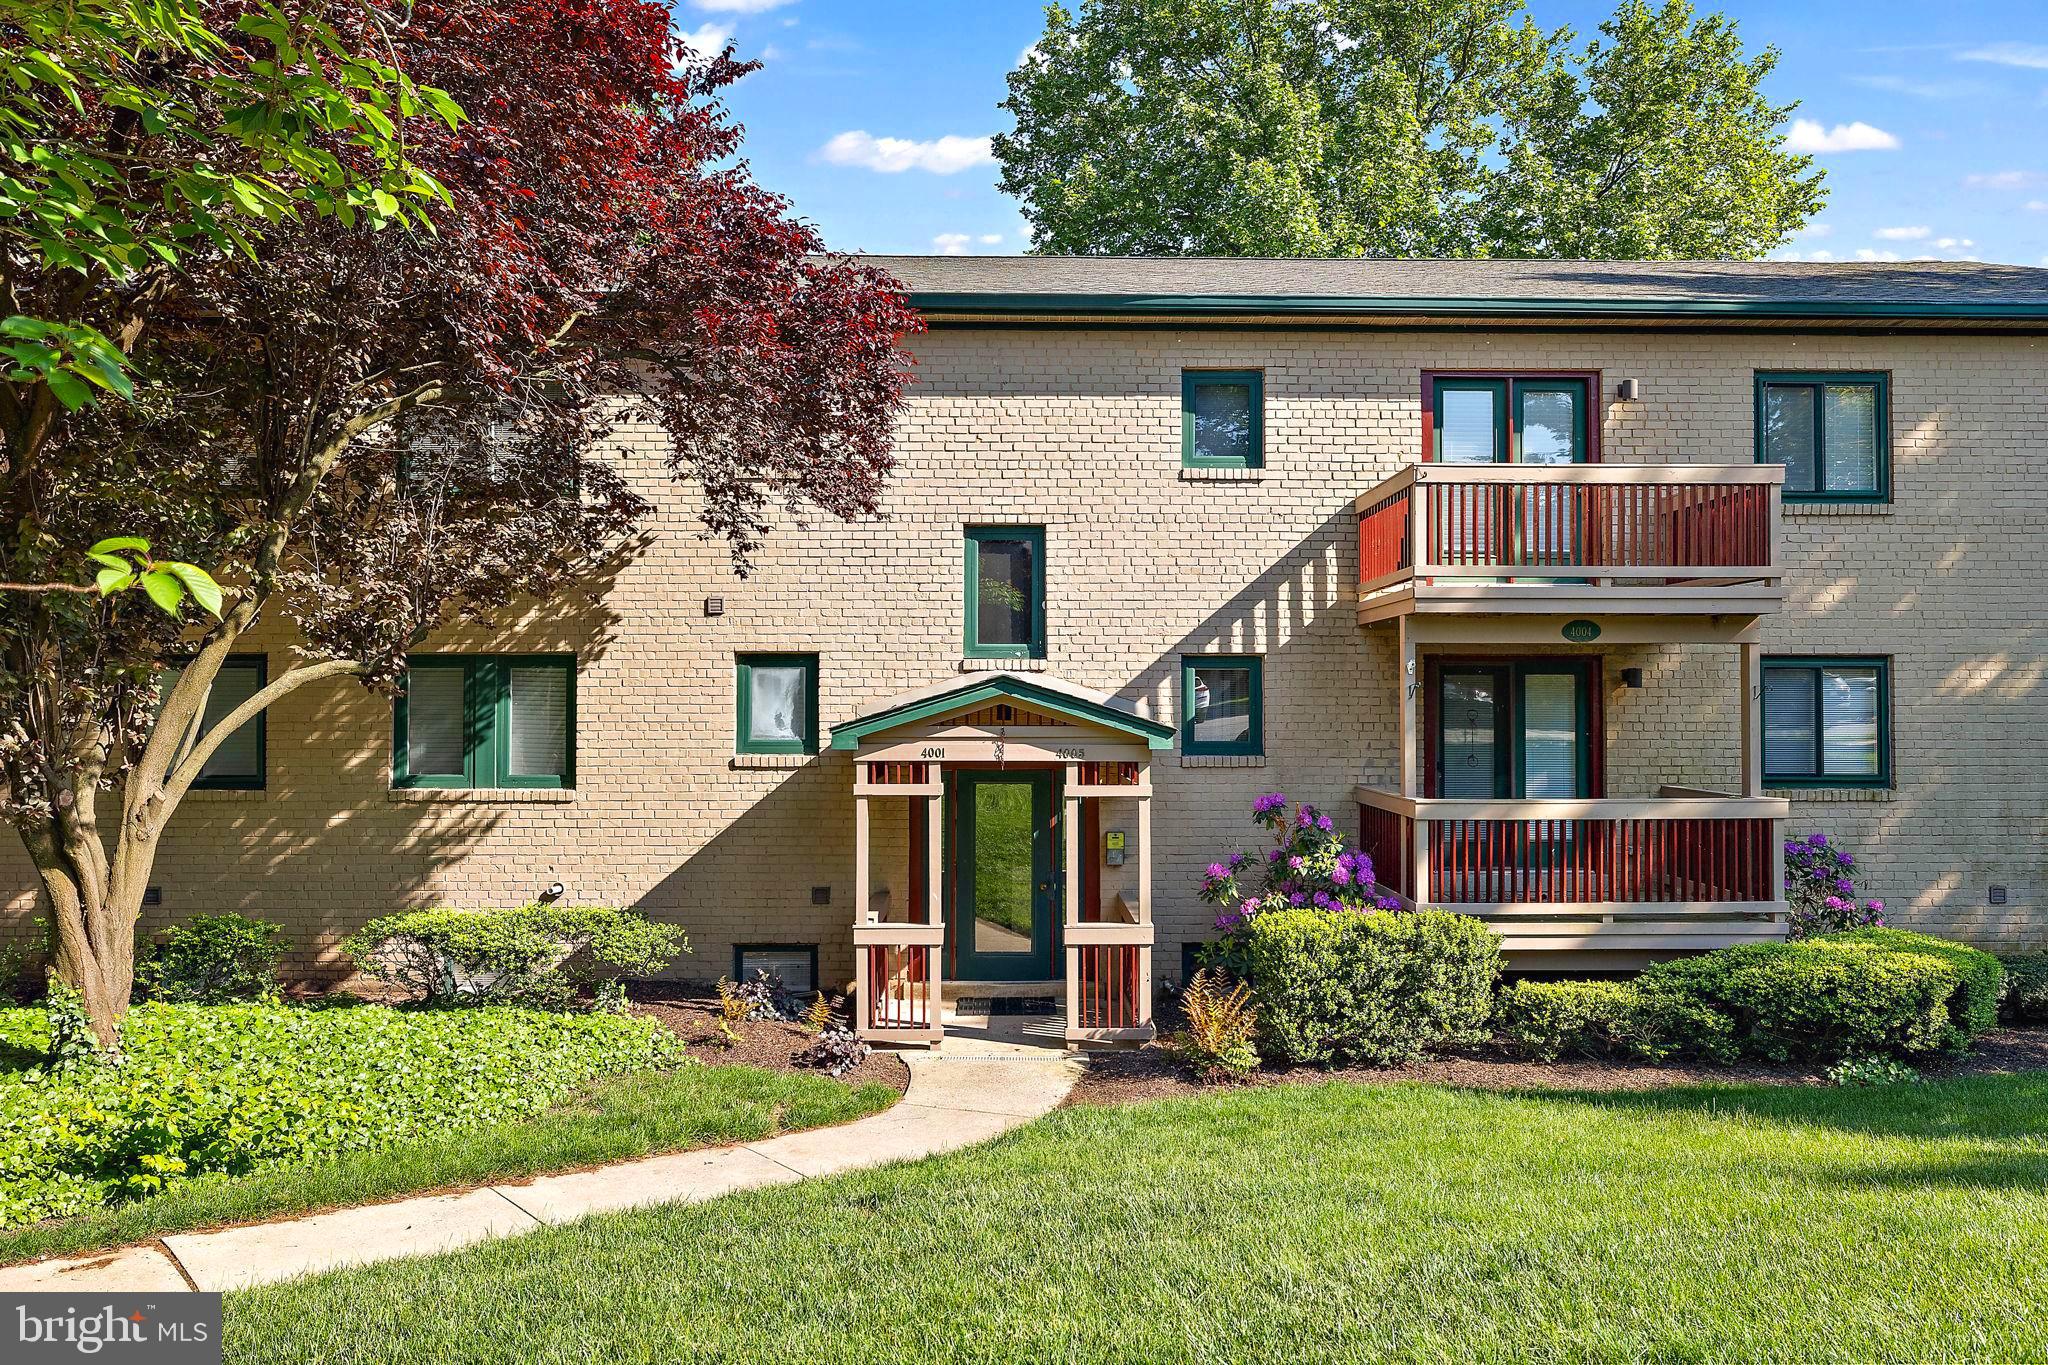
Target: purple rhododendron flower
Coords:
[[1217, 872], [1276, 855], [1845, 886], [1818, 840], [1298, 898], [1297, 862], [1268, 803], [1341, 874]]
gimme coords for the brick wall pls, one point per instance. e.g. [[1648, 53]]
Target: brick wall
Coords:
[[1079, 430]]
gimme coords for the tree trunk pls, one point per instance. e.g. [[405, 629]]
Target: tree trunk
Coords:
[[92, 925]]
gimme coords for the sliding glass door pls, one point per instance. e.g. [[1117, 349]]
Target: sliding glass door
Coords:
[[1510, 731]]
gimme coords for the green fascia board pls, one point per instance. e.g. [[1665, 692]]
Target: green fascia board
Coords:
[[1155, 734], [1200, 305]]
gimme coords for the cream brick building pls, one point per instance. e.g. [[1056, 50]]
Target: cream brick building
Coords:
[[1868, 661]]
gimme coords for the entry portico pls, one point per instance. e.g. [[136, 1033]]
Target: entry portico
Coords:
[[1008, 781]]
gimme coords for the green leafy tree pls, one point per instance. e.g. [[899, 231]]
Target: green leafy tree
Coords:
[[1433, 128], [142, 141]]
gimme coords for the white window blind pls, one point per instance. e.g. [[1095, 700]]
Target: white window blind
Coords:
[[1550, 736], [539, 738], [1848, 712], [434, 729], [1789, 433], [1851, 424], [1469, 427], [1789, 721]]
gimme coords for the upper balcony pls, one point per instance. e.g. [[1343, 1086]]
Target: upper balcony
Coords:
[[1571, 538]]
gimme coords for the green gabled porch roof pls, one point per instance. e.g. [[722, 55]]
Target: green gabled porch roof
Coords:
[[1052, 695]]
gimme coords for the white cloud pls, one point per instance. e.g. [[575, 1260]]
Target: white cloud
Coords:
[[1902, 234], [2032, 56], [1864, 253], [1950, 243], [2037, 206], [2003, 180], [951, 243], [1810, 137], [1817, 230], [740, 6], [1926, 90], [941, 156], [708, 40], [990, 238]]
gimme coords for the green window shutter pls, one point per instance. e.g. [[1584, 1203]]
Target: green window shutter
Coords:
[[1222, 419]]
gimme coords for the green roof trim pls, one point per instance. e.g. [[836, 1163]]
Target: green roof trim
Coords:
[[1155, 734], [1314, 305]]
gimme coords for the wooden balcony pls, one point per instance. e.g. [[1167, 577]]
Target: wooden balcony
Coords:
[[1686, 870], [1602, 539]]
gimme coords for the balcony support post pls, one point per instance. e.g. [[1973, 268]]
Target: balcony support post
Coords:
[[1752, 719]]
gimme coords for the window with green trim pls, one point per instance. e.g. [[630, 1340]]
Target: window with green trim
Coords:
[[1827, 722], [1222, 419], [1831, 431], [486, 720], [1223, 704], [1005, 592], [777, 705], [1509, 419], [239, 763]]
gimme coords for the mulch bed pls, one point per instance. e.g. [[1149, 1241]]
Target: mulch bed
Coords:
[[1150, 1073], [691, 1011]]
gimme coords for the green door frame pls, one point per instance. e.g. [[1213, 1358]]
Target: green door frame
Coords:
[[1037, 964]]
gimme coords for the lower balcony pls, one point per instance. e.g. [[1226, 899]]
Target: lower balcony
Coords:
[[1687, 870]]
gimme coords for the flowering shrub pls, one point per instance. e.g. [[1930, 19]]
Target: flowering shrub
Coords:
[[1308, 867], [1820, 883]]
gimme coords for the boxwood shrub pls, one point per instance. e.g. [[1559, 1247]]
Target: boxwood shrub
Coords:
[[212, 960], [1340, 986], [1545, 1020], [222, 1090], [531, 954], [2026, 989], [1866, 992]]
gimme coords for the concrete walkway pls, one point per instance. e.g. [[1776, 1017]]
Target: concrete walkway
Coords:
[[980, 1084]]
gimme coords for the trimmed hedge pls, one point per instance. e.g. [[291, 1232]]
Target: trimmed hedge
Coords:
[[2026, 989], [1867, 992], [1545, 1020], [1340, 986], [540, 955]]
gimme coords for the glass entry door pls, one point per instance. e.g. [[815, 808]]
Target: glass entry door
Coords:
[[1515, 731], [1003, 876]]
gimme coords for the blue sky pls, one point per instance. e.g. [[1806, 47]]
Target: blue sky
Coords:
[[873, 117]]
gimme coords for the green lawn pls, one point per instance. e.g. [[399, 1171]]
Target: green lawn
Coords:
[[1294, 1223], [612, 1119]]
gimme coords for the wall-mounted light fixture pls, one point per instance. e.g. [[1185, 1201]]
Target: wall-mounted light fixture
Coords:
[[1626, 391], [1631, 677], [554, 893]]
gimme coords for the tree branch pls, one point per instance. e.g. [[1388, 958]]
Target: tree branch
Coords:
[[187, 771]]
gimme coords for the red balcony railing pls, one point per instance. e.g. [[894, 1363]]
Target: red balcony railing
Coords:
[[1674, 525], [1105, 994]]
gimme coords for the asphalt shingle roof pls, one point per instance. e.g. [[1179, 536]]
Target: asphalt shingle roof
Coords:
[[1580, 282]]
